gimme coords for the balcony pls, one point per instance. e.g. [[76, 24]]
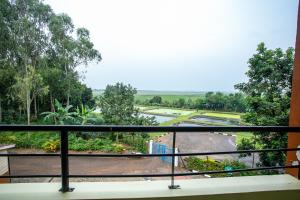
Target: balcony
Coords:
[[248, 187]]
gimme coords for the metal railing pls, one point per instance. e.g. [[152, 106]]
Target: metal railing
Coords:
[[64, 154]]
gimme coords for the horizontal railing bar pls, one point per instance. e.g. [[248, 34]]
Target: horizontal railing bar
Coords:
[[31, 176], [157, 155], [184, 154], [115, 128], [179, 174], [156, 175], [30, 154]]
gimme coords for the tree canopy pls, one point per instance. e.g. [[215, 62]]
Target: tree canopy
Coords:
[[268, 93], [40, 52]]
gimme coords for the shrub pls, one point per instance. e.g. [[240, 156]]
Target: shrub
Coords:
[[49, 141], [203, 165], [51, 145], [101, 144]]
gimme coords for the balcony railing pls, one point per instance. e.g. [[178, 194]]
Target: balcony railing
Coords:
[[64, 154]]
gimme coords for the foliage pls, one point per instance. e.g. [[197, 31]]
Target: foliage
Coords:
[[62, 115], [136, 141], [40, 51], [51, 146], [156, 100], [233, 102], [268, 98], [96, 144], [245, 144], [117, 107], [117, 104], [203, 165], [49, 141], [28, 140], [84, 115], [7, 82]]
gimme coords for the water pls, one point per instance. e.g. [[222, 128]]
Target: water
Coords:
[[203, 119], [158, 118], [189, 124]]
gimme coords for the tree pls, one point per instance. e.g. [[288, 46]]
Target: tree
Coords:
[[7, 80], [68, 51], [117, 103], [32, 16], [29, 87], [41, 49], [117, 107], [156, 100], [180, 103], [268, 98]]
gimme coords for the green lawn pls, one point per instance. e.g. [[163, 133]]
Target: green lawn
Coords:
[[144, 108], [169, 111], [222, 115]]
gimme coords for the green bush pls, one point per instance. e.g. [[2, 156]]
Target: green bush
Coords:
[[47, 141], [137, 142], [27, 139], [100, 144], [51, 145], [205, 165]]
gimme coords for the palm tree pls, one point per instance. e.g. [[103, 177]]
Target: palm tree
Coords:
[[61, 114]]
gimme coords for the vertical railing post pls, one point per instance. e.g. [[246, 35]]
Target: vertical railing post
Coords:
[[173, 186], [64, 148], [298, 171]]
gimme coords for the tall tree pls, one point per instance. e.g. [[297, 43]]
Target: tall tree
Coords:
[[70, 52], [7, 80], [117, 103], [29, 87], [268, 97], [32, 17]]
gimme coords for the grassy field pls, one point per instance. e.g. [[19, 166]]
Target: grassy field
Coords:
[[169, 98], [169, 111], [143, 95], [223, 115]]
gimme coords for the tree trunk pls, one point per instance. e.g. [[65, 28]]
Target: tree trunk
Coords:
[[68, 96], [28, 105], [35, 108], [20, 112], [51, 103], [117, 137], [68, 90]]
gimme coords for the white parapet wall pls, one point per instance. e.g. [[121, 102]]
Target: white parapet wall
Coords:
[[276, 187]]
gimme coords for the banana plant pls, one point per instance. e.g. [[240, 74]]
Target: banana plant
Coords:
[[84, 114], [61, 115]]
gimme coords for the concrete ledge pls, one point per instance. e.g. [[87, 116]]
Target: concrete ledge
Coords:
[[251, 187]]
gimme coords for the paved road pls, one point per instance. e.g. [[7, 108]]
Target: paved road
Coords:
[[201, 142], [88, 165], [188, 142]]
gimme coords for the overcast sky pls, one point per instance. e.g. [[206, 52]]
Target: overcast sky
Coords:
[[185, 45]]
